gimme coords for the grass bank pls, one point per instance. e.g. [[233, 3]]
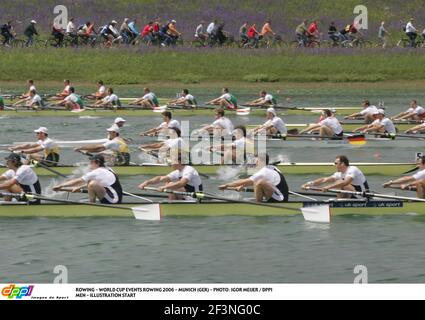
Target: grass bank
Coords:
[[127, 67]]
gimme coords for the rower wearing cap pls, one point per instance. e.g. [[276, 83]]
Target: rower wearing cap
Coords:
[[33, 101], [111, 101], [328, 127], [101, 183], [269, 183], [168, 123], [381, 125], [100, 92], [71, 102], [239, 150], [347, 177], [186, 100], [184, 178], [120, 122], [44, 150], [166, 150], [366, 113], [115, 144], [148, 101], [273, 126], [265, 100], [19, 178], [226, 100], [222, 126], [415, 112], [417, 180]]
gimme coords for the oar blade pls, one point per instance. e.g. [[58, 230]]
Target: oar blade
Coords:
[[319, 214], [149, 212], [243, 111]]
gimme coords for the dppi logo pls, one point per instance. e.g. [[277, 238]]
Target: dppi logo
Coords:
[[13, 291]]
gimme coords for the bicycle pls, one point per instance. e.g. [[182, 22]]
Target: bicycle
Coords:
[[311, 42], [404, 42]]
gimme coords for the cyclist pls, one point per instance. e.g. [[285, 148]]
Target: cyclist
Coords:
[[125, 31], [313, 31], [147, 33], [333, 33], [132, 25], [7, 33], [411, 32], [267, 31], [71, 30], [253, 35], [30, 32], [110, 33], [164, 36], [243, 30], [87, 32], [301, 33], [58, 34], [200, 34], [173, 32]]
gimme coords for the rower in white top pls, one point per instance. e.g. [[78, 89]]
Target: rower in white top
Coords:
[[19, 178], [168, 123], [349, 178], [415, 112], [381, 125], [100, 92], [221, 127], [273, 126], [100, 181], [72, 101], [65, 92], [148, 101], [328, 127], [366, 113], [186, 100], [45, 150], [111, 101], [31, 86], [184, 178], [265, 100], [414, 181], [269, 183], [33, 101]]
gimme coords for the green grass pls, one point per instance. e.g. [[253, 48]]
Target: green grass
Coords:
[[130, 67]]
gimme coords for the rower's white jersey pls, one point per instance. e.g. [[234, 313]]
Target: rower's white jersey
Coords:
[[224, 124], [177, 143], [47, 144], [352, 171], [278, 124], [172, 124], [333, 124], [418, 110], [270, 175], [387, 123], [33, 88], [102, 176], [189, 173], [269, 98], [72, 98], [113, 144], [189, 98], [149, 96], [369, 111], [419, 175], [113, 98], [102, 90], [25, 175], [35, 100]]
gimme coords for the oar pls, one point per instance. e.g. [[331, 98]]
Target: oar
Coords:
[[290, 192], [319, 213], [366, 194], [39, 164], [399, 188], [140, 212], [411, 170], [128, 194]]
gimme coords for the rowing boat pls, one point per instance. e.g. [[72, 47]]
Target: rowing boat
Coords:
[[138, 112], [211, 209], [383, 169]]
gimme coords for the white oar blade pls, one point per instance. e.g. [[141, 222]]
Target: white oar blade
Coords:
[[160, 109], [321, 214], [149, 212], [243, 111], [77, 110]]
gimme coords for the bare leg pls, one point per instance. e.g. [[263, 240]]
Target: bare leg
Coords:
[[263, 190], [420, 189], [95, 191], [326, 132]]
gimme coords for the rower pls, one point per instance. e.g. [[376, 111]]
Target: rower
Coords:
[[45, 150], [417, 180], [239, 150], [101, 183], [120, 152], [347, 177], [19, 178], [71, 102], [415, 112], [1, 103], [65, 92], [273, 126], [100, 92], [168, 123], [184, 178], [366, 113], [148, 101], [226, 100], [328, 127], [186, 100], [120, 122], [381, 125], [221, 127], [33, 101], [166, 150], [269, 183], [111, 101], [420, 128], [265, 100], [31, 87]]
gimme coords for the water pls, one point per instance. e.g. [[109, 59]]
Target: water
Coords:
[[226, 249]]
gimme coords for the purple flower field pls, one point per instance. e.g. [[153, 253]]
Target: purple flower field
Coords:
[[285, 15]]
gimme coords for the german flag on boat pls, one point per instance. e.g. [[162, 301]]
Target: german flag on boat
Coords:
[[358, 139]]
